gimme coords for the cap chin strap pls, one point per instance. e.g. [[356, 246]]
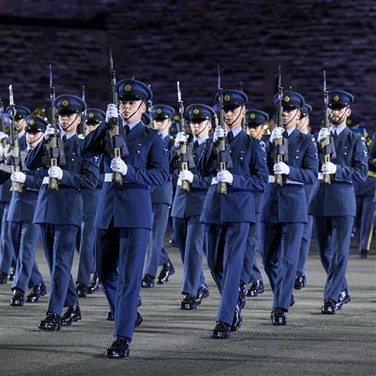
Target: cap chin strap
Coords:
[[207, 122], [296, 113], [230, 124], [65, 129], [126, 119], [340, 119], [37, 139]]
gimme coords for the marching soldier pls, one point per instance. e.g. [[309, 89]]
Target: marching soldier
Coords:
[[161, 198], [187, 208], [24, 234], [300, 280], [254, 122], [7, 257], [281, 227], [59, 211], [124, 215], [333, 205], [86, 284], [227, 217]]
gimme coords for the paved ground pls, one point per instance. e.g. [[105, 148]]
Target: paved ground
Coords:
[[173, 342]]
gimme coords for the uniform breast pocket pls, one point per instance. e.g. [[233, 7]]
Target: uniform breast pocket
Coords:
[[139, 159]]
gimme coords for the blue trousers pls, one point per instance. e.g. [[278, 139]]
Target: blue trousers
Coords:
[[59, 244], [280, 244], [225, 246], [304, 246], [189, 239], [333, 237], [24, 237], [7, 256], [120, 259], [156, 254]]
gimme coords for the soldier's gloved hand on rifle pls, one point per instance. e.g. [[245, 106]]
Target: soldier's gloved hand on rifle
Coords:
[[49, 132], [118, 165], [55, 172], [281, 168], [180, 138], [323, 134], [112, 112], [219, 132], [186, 175], [2, 136], [18, 177], [329, 168], [276, 133], [225, 177]]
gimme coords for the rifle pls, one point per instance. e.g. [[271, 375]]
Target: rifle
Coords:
[[118, 147], [280, 149], [326, 146], [2, 123], [182, 152], [14, 152], [54, 146], [224, 160], [81, 127]]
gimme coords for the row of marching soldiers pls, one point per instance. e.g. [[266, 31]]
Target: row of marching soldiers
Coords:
[[232, 191]]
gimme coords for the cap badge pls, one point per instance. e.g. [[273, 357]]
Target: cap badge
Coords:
[[159, 111], [286, 98], [65, 103], [196, 111], [32, 122], [128, 88], [227, 98], [252, 115], [336, 98], [91, 115]]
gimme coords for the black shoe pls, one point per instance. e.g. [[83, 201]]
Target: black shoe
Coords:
[[147, 281], [38, 291], [278, 317], [167, 271], [109, 316], [18, 298], [221, 331], [93, 285], [188, 303], [256, 288], [202, 293], [3, 278], [292, 300], [139, 319], [81, 289], [51, 322], [300, 281], [237, 321], [363, 253], [344, 298], [329, 307], [12, 274], [73, 313], [119, 348], [242, 295]]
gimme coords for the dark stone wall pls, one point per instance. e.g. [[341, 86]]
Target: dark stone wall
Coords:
[[160, 42]]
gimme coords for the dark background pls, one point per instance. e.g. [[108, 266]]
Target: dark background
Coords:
[[161, 42]]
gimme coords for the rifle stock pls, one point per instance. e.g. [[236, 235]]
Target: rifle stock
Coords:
[[327, 143], [14, 146], [182, 151], [279, 142]]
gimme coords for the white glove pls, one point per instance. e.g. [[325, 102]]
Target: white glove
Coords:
[[2, 136], [118, 165], [81, 136], [181, 137], [225, 177], [323, 134], [112, 112], [276, 133], [18, 177], [55, 172], [186, 175], [329, 168], [281, 168], [49, 132], [218, 133]]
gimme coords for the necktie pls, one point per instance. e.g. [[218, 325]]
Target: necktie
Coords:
[[334, 134], [126, 129], [64, 138], [230, 136], [195, 145]]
